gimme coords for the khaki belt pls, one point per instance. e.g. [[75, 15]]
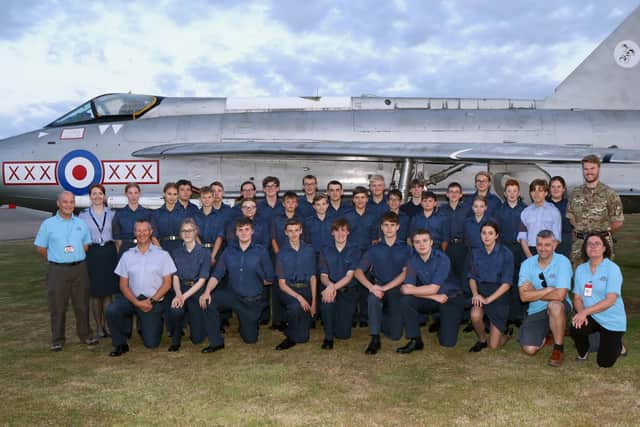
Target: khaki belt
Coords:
[[299, 285], [170, 238], [207, 245], [188, 282]]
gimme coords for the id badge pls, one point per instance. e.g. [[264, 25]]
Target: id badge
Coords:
[[588, 289], [68, 249]]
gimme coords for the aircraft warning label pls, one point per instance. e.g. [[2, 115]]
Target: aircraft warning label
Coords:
[[74, 133], [29, 173], [125, 171], [78, 170]]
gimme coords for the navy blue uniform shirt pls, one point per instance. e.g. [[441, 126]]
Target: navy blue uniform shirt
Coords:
[[191, 211], [266, 212], [410, 209], [362, 228], [435, 271], [124, 221], [567, 227], [318, 232], [345, 207], [495, 267], [436, 224], [456, 217], [493, 203], [261, 232], [247, 270], [305, 208], [508, 219], [384, 261], [472, 231], [276, 231], [378, 209], [404, 222], [192, 265], [210, 226], [336, 264], [296, 266], [167, 223]]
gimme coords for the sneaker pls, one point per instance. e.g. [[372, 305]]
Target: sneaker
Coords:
[[56, 347], [582, 358], [556, 358], [478, 346]]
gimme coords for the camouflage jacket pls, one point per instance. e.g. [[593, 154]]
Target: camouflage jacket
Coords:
[[594, 209]]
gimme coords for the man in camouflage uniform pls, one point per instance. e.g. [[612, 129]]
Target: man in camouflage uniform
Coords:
[[593, 207]]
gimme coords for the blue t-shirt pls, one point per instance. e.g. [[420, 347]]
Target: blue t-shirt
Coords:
[[145, 271], [557, 274], [606, 280], [64, 239]]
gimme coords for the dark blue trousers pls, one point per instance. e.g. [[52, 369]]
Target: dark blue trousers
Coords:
[[193, 314], [451, 313], [338, 315], [298, 320], [119, 315], [385, 315], [247, 309]]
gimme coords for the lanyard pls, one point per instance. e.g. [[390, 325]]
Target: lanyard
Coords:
[[104, 220]]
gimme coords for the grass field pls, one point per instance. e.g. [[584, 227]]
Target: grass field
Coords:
[[255, 385]]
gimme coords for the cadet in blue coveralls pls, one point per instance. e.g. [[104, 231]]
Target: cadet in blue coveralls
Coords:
[[363, 232], [185, 191], [296, 275], [597, 298], [430, 287], [192, 264], [431, 220], [289, 211], [167, 218], [413, 206], [483, 189], [305, 202], [145, 277], [508, 219], [456, 211], [249, 268], [386, 261], [270, 205], [394, 200], [337, 205], [125, 218], [211, 224], [377, 203], [490, 278], [317, 227], [337, 264], [261, 230]]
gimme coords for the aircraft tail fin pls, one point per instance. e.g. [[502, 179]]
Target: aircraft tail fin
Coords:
[[609, 79]]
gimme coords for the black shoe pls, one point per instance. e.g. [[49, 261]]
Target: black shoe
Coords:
[[285, 344], [264, 322], [119, 350], [468, 328], [412, 345], [374, 345], [210, 349], [434, 327], [281, 326], [312, 325], [354, 324], [364, 324], [174, 347], [327, 344], [56, 347], [478, 346], [91, 341], [225, 323]]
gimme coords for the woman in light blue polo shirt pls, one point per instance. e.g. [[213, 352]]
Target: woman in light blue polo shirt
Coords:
[[598, 302]]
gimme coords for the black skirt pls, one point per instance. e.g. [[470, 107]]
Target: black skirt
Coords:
[[498, 311], [101, 262]]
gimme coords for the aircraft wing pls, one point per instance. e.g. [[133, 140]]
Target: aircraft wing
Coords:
[[461, 152]]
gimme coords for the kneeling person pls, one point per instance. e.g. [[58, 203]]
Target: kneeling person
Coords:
[[430, 288], [544, 282], [296, 273], [337, 264], [249, 268], [386, 261], [145, 277]]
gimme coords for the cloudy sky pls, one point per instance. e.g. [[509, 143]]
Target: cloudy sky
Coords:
[[57, 54]]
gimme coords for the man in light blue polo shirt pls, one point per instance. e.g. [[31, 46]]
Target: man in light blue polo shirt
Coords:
[[544, 282], [145, 277], [63, 241]]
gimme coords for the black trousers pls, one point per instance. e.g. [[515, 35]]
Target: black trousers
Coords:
[[610, 342]]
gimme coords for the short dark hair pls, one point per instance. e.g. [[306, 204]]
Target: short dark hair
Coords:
[[309, 177], [241, 222], [334, 182], [389, 217], [269, 179], [360, 190], [396, 193], [421, 231], [182, 182], [320, 196], [169, 185], [339, 223], [247, 182], [290, 195], [132, 185], [415, 182], [491, 224], [292, 221], [481, 199], [217, 184], [539, 182], [454, 184], [429, 195], [559, 179]]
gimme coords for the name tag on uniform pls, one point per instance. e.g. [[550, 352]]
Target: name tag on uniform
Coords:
[[588, 289], [68, 249]]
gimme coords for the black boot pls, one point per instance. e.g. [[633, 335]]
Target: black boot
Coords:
[[412, 345], [374, 345]]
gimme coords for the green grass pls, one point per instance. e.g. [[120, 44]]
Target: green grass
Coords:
[[255, 385]]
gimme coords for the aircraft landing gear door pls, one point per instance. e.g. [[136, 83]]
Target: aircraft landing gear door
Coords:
[[406, 172]]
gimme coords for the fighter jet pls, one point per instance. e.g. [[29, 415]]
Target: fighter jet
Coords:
[[114, 139]]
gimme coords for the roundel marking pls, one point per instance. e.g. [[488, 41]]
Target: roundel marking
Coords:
[[627, 54], [78, 170]]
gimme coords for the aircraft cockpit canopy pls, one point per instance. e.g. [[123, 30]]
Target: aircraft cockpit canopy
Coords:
[[107, 108]]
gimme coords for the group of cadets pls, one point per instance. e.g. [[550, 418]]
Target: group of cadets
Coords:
[[373, 262]]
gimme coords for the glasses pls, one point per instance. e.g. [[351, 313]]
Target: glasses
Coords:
[[544, 280], [594, 244], [271, 186], [482, 181], [188, 230], [248, 207]]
